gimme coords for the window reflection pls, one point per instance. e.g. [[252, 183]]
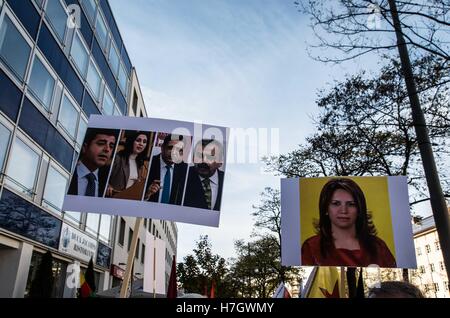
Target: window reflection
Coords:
[[94, 80], [55, 186], [92, 221], [82, 127], [58, 17], [108, 104], [4, 139], [14, 50], [79, 55], [23, 166], [41, 83], [105, 225], [68, 116]]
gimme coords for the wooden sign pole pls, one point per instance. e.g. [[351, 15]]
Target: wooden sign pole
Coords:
[[342, 284], [131, 254]]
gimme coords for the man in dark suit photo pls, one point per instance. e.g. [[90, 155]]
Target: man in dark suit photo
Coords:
[[91, 172], [205, 180], [167, 172]]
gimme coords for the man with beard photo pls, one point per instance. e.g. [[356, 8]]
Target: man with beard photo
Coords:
[[205, 180]]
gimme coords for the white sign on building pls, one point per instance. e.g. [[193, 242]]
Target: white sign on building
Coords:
[[155, 268], [77, 244]]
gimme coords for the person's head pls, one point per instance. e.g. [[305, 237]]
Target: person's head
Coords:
[[137, 143], [172, 149], [395, 289], [98, 147], [208, 157], [342, 205]]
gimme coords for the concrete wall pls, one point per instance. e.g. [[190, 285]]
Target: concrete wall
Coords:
[[14, 267]]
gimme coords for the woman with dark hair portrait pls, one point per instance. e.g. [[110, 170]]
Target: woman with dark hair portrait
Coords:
[[130, 164], [346, 235]]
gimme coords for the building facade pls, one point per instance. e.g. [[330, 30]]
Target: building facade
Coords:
[[430, 275], [56, 69]]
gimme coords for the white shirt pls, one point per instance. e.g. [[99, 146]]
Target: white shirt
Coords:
[[162, 174], [214, 183], [132, 178], [82, 172]]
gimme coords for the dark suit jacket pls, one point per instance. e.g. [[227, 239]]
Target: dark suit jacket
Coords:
[[102, 177], [195, 195], [178, 180]]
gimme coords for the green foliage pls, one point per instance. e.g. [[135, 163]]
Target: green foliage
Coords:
[[197, 273]]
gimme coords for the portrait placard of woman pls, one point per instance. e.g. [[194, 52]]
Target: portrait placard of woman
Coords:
[[345, 233], [130, 167]]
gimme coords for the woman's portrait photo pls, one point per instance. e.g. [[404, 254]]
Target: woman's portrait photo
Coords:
[[345, 234], [130, 167]]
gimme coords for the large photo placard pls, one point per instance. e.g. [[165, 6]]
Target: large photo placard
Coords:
[[347, 221], [151, 168]]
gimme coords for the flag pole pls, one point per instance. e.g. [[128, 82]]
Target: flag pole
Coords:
[[342, 284], [131, 253], [309, 282]]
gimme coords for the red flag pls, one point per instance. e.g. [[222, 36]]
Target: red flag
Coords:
[[172, 288], [212, 294]]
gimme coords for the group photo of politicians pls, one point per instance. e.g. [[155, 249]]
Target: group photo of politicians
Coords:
[[150, 166]]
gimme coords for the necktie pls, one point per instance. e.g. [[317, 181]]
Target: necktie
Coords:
[[166, 187], [90, 189], [207, 188]]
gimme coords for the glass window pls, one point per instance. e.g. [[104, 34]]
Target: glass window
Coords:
[[117, 111], [136, 255], [130, 237], [102, 32], [94, 80], [79, 55], [74, 217], [90, 8], [114, 60], [14, 50], [39, 3], [105, 225], [123, 80], [68, 116], [122, 231], [41, 83], [58, 17], [82, 127], [92, 221], [143, 254], [55, 188], [23, 166], [108, 104], [4, 139]]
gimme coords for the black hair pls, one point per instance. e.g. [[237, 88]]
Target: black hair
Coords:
[[171, 137], [365, 229], [131, 137], [91, 133], [391, 289]]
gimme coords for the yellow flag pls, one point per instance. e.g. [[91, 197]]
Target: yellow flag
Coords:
[[324, 283]]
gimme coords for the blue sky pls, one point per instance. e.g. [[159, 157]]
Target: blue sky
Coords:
[[238, 64]]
